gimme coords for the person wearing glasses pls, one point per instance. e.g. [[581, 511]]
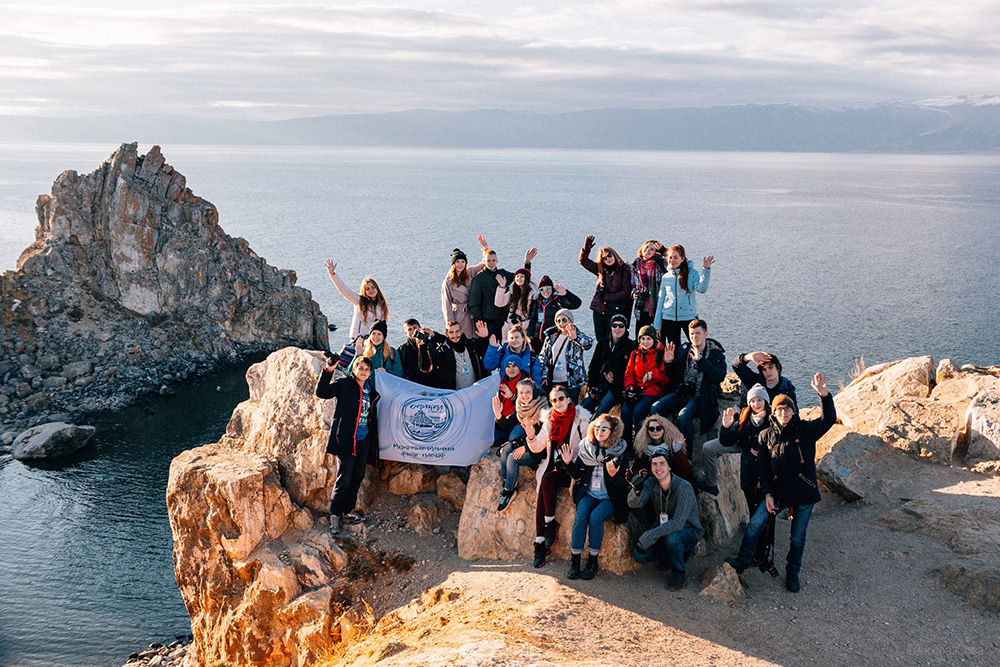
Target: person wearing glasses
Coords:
[[600, 490], [676, 302], [613, 294], [606, 375], [562, 355], [552, 297], [786, 458], [646, 378], [659, 434], [565, 424]]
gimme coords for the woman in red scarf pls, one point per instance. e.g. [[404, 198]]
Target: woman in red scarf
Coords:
[[564, 424]]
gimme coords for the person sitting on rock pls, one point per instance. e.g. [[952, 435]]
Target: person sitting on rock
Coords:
[[600, 490], [353, 433], [517, 344], [552, 297], [378, 352], [562, 355], [514, 453], [369, 302], [695, 374], [415, 355], [767, 374], [659, 433], [646, 379], [671, 512], [787, 460], [606, 374], [564, 424], [504, 403], [458, 360]]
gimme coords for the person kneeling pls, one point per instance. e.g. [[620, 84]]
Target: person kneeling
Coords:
[[600, 491], [672, 510]]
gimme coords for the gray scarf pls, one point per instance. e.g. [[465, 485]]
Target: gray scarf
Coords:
[[591, 454]]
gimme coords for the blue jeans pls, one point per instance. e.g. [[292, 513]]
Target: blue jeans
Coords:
[[686, 409], [601, 405], [636, 413], [670, 548], [590, 513], [510, 465], [758, 522]]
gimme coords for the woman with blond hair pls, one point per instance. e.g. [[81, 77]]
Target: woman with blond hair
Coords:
[[369, 302], [613, 294], [659, 434], [379, 353]]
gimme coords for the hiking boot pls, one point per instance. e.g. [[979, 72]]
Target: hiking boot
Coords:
[[676, 581], [551, 534], [505, 498], [737, 564], [541, 551], [334, 524], [574, 567], [792, 581], [591, 569], [354, 517]]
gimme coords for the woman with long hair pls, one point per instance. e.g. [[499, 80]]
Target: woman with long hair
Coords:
[[600, 490], [517, 344], [527, 409], [647, 270], [659, 433], [369, 302], [676, 303], [613, 294], [645, 378], [378, 352], [552, 297], [516, 298], [455, 289]]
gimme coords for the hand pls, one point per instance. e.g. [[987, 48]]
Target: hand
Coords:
[[505, 390], [728, 417], [529, 427], [668, 353], [610, 377], [482, 330], [588, 243], [359, 342], [695, 353], [331, 267], [708, 262], [482, 242], [566, 453], [497, 407], [519, 452], [530, 254], [819, 384], [647, 376], [611, 468], [501, 281], [759, 357], [658, 246], [559, 289], [678, 444], [494, 341], [572, 332], [769, 501]]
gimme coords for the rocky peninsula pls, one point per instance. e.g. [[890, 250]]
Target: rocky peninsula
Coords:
[[130, 286]]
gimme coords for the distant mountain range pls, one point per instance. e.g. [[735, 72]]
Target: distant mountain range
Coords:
[[958, 125]]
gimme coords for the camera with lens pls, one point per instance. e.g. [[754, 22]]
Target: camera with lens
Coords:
[[423, 335], [686, 390]]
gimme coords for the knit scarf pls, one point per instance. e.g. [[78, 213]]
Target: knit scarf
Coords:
[[592, 454], [531, 409], [560, 425], [459, 346]]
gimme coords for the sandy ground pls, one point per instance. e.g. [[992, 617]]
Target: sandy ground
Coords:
[[869, 596]]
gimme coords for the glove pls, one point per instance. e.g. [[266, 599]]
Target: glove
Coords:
[[588, 243]]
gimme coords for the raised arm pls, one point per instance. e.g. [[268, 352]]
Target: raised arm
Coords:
[[585, 260], [331, 268]]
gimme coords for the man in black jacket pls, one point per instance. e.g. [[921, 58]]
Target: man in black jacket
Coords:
[[415, 354], [787, 465], [458, 360], [606, 375], [483, 291]]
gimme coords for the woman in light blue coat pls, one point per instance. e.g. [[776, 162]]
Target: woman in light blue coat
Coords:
[[677, 304]]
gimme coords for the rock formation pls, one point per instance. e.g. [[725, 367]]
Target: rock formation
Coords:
[[131, 285], [50, 441]]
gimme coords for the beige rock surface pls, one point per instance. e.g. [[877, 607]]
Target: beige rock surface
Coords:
[[423, 515], [725, 516], [410, 478], [846, 466], [928, 427], [452, 488], [723, 584], [860, 402], [983, 425]]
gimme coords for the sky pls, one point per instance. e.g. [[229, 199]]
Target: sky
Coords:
[[268, 61]]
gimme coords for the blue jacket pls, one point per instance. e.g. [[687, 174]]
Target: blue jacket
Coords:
[[676, 304], [494, 355]]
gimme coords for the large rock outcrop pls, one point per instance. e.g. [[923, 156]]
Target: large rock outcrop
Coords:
[[132, 284]]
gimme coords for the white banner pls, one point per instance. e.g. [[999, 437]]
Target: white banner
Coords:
[[418, 424]]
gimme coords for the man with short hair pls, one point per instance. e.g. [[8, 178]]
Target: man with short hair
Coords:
[[671, 510], [695, 374], [415, 354], [458, 360], [483, 290], [766, 372]]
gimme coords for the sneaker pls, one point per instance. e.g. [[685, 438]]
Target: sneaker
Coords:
[[792, 581], [334, 524], [737, 565], [551, 534], [541, 551], [505, 499], [591, 570], [676, 581], [354, 517]]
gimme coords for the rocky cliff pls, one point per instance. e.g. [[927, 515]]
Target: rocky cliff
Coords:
[[130, 285]]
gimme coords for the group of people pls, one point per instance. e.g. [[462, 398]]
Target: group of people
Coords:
[[619, 432]]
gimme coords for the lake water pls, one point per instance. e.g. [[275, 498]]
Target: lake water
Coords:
[[820, 259]]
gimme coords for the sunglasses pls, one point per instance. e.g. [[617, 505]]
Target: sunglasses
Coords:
[[617, 325], [560, 399], [562, 320], [602, 429], [654, 428]]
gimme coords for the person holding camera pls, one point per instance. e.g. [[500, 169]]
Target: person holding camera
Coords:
[[676, 302], [562, 355], [415, 354], [647, 270], [552, 297], [646, 378], [600, 490], [786, 458], [517, 343], [659, 434], [606, 375], [613, 294], [670, 510], [695, 375], [766, 371], [516, 298]]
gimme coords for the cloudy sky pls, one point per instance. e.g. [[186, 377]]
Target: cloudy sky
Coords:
[[257, 60]]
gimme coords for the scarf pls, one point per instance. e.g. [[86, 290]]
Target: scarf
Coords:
[[592, 454], [507, 405], [459, 346], [530, 410], [560, 425]]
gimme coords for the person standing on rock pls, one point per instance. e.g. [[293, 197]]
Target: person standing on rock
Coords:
[[676, 303], [787, 460], [353, 434], [516, 298], [369, 303], [455, 288], [766, 372], [647, 271], [613, 294], [483, 291], [600, 490], [671, 512], [552, 297]]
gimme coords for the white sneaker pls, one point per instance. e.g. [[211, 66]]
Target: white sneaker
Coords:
[[334, 524]]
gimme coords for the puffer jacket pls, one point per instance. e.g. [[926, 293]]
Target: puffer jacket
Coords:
[[787, 457], [647, 361], [676, 304], [748, 440], [614, 293]]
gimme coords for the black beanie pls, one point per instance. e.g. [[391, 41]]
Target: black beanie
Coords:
[[457, 254]]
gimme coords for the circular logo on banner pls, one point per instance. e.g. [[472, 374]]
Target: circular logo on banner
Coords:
[[426, 417]]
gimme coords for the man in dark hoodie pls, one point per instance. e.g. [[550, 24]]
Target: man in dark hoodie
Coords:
[[415, 355], [483, 291], [764, 369], [458, 360], [696, 372], [606, 374]]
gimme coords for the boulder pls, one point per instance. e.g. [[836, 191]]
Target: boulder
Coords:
[[958, 529], [423, 515], [411, 478], [961, 385], [945, 369], [50, 440], [928, 427], [860, 403], [978, 583], [452, 488], [983, 426], [724, 516], [509, 535], [72, 371], [721, 583], [845, 467]]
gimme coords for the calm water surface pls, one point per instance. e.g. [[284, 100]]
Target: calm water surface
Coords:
[[820, 258]]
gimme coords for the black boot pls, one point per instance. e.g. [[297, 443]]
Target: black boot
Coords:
[[792, 581], [541, 551], [738, 565], [551, 533], [574, 566], [591, 569]]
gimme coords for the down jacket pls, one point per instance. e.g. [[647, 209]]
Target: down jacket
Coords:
[[787, 457]]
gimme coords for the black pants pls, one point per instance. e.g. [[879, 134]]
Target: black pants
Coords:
[[670, 331], [642, 318], [350, 474]]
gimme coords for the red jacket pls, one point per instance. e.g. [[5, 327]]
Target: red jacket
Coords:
[[507, 404], [647, 361]]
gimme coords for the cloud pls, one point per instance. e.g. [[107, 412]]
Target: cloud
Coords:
[[263, 61]]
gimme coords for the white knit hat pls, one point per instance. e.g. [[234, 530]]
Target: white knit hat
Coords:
[[758, 391]]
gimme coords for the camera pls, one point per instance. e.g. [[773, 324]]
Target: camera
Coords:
[[423, 335], [514, 318], [686, 390]]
